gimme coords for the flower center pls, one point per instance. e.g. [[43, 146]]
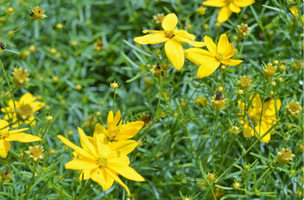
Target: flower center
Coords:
[[102, 161], [219, 56], [169, 34], [24, 112]]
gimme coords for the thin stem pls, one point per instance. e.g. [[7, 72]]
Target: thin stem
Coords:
[[114, 100], [194, 91], [214, 136], [17, 29], [226, 153], [84, 189]]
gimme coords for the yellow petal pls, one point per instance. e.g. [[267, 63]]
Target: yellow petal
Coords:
[[170, 21], [81, 164], [198, 56], [207, 68], [127, 172], [125, 147], [151, 39], [11, 104], [224, 14], [5, 146], [126, 134], [175, 53], [223, 44], [117, 117], [3, 124], [191, 42], [244, 3], [133, 125], [103, 149], [153, 31], [15, 137], [85, 174], [269, 107], [210, 45], [234, 8], [110, 121], [247, 131], [230, 51], [79, 150], [27, 99], [17, 131], [117, 179], [86, 144], [103, 178], [231, 62], [116, 157], [256, 103], [29, 138], [184, 34], [261, 130], [215, 3]]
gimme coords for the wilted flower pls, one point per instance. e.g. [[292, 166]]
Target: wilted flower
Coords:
[[37, 13], [20, 76], [243, 30], [35, 153], [293, 108], [245, 82], [218, 101]]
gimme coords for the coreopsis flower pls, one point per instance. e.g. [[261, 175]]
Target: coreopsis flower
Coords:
[[24, 110], [294, 12], [100, 163], [37, 13], [211, 60], [117, 131], [261, 125], [7, 136], [227, 7], [173, 39]]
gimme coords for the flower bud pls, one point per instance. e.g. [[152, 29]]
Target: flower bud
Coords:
[[37, 13], [243, 30], [201, 10], [114, 85], [159, 18], [218, 101], [235, 130], [293, 108], [245, 82], [35, 153], [285, 156], [201, 101], [210, 177], [236, 185], [49, 118], [20, 76], [269, 71]]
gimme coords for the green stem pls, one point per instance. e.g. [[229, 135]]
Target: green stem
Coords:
[[17, 29], [226, 153], [214, 136], [114, 100], [84, 189], [194, 91]]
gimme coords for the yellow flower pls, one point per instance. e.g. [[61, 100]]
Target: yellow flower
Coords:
[[37, 13], [100, 163], [24, 110], [294, 12], [227, 7], [7, 136], [254, 113], [173, 39], [211, 60], [116, 130]]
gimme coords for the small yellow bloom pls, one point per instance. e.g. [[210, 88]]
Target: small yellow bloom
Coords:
[[117, 131], [100, 163], [24, 110], [35, 153], [211, 60], [261, 126], [7, 136], [227, 7], [173, 39], [201, 10], [285, 156], [20, 76], [293, 108], [37, 13]]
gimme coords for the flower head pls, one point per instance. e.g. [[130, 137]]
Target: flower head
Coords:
[[35, 153], [245, 82], [100, 163], [243, 30], [269, 70], [172, 38], [227, 7], [211, 60], [37, 13], [7, 136], [20, 76], [218, 101], [285, 156], [293, 108], [261, 120], [24, 109], [117, 131]]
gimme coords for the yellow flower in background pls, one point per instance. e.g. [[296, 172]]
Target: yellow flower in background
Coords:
[[227, 7], [211, 60], [254, 112], [24, 110], [7, 136], [100, 163], [116, 130], [173, 39], [294, 11]]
